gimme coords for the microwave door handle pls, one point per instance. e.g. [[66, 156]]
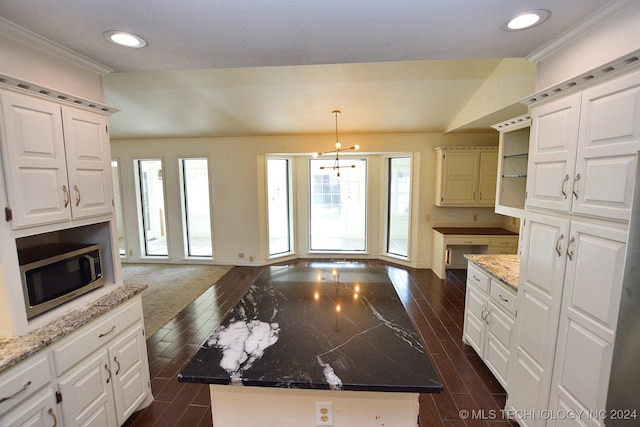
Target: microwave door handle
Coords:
[[92, 266]]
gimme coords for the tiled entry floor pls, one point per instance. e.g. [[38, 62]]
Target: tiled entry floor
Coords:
[[435, 306]]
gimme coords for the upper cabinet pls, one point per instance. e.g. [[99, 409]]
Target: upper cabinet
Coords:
[[466, 176], [583, 153], [513, 154], [56, 161]]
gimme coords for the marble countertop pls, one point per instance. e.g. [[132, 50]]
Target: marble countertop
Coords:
[[14, 350], [298, 328], [505, 268]]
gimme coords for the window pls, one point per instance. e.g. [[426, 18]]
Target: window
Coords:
[[399, 206], [338, 205], [196, 207], [152, 210], [279, 205], [117, 202]]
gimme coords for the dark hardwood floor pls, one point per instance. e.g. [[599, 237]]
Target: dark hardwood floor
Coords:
[[435, 306]]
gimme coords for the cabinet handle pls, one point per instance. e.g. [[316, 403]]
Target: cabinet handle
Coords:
[[104, 334], [53, 415], [569, 250], [109, 371], [503, 298], [115, 359], [474, 195], [564, 186], [480, 196], [486, 314], [24, 387], [475, 278], [65, 190], [575, 181], [75, 187], [558, 248]]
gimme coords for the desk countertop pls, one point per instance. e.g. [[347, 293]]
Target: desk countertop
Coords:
[[286, 332], [474, 231]]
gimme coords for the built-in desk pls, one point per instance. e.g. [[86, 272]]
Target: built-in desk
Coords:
[[450, 244]]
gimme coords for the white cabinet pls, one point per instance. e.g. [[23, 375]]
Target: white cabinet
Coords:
[[583, 150], [87, 396], [513, 155], [100, 373], [581, 171], [56, 161], [466, 176], [38, 411], [489, 317], [104, 370], [26, 394]]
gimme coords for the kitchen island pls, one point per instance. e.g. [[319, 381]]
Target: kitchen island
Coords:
[[333, 336]]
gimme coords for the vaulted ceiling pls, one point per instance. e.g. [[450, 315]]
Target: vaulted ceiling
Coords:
[[256, 67]]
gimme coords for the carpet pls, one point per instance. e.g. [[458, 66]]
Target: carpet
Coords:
[[171, 287]]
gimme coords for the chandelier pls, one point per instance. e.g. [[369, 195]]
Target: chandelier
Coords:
[[336, 164]]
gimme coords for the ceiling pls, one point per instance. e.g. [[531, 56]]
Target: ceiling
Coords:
[[256, 67]]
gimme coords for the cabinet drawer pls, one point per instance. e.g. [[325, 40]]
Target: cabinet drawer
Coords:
[[469, 240], [23, 380], [499, 250], [504, 241], [94, 335], [503, 296], [478, 278]]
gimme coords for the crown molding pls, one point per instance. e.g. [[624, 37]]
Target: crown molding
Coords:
[[22, 86], [520, 121], [29, 38], [600, 16], [626, 62]]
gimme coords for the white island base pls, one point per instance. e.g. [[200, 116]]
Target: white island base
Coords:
[[240, 406]]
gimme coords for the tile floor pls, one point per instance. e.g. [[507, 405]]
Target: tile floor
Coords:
[[435, 306]]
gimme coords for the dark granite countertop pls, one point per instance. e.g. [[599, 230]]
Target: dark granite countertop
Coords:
[[297, 328], [474, 231]]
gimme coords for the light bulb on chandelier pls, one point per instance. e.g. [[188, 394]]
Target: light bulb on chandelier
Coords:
[[336, 165]]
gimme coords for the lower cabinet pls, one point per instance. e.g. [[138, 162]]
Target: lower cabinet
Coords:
[[95, 376], [38, 411], [489, 317]]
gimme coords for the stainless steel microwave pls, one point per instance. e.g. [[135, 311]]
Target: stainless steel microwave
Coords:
[[56, 273]]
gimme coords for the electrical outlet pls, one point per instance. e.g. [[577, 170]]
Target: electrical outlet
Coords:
[[428, 217], [324, 413], [251, 258], [240, 254], [475, 217]]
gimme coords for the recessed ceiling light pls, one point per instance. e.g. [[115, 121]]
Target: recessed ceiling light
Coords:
[[123, 38], [527, 19]]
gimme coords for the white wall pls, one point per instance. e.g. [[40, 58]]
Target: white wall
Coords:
[[617, 36], [238, 189]]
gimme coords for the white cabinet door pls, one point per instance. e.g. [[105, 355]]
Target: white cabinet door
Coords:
[[474, 326], [87, 396], [593, 286], [88, 162], [460, 178], [487, 177], [552, 153], [539, 294], [128, 360], [608, 142], [34, 161], [39, 411], [498, 340]]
